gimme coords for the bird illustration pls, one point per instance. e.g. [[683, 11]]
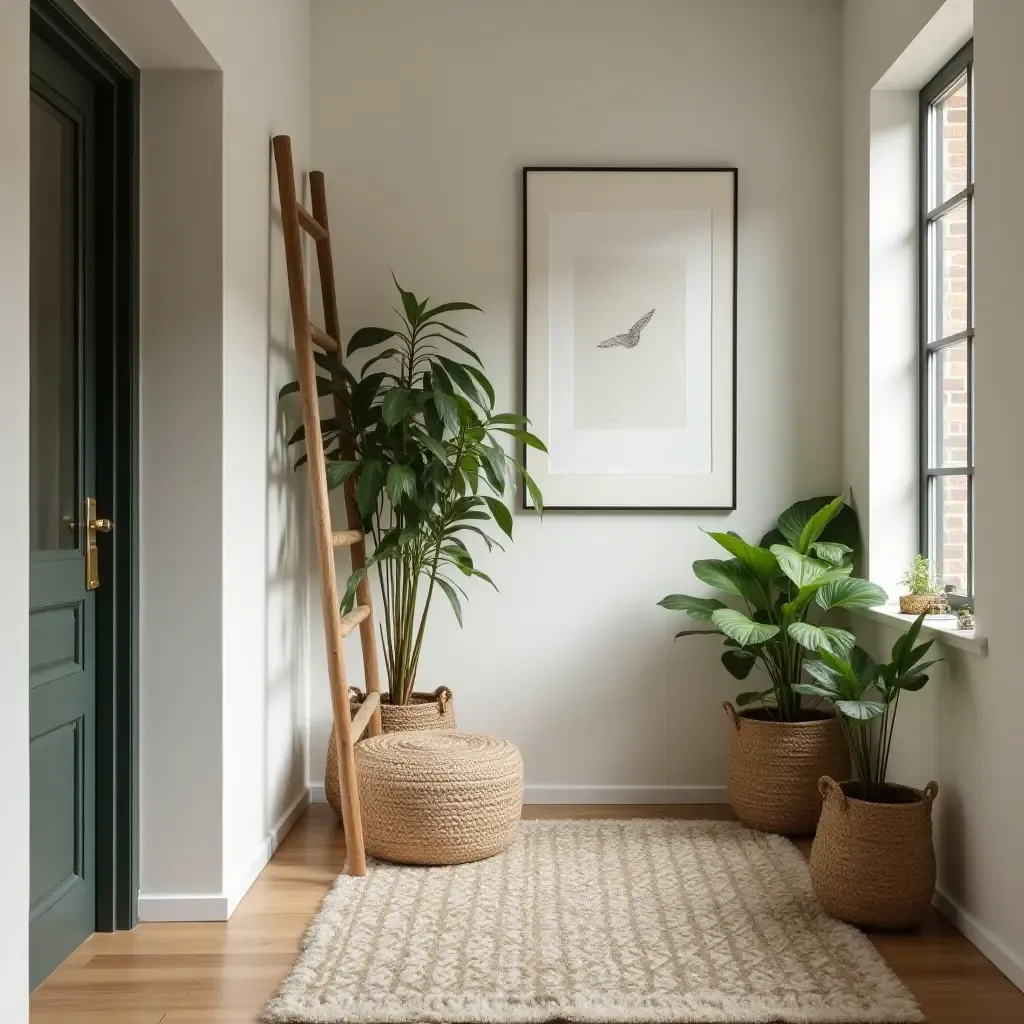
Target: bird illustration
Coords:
[[632, 337]]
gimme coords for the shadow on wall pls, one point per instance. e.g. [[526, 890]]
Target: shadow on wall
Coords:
[[288, 557]]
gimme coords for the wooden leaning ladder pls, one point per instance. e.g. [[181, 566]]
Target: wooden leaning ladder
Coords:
[[347, 730]]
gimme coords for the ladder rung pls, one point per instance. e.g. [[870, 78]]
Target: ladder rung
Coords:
[[354, 617], [364, 714], [311, 224], [346, 538], [323, 339]]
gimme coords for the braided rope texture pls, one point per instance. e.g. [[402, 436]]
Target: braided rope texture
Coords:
[[873, 864], [592, 921], [424, 711], [438, 797], [774, 769]]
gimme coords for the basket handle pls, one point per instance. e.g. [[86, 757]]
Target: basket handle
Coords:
[[443, 695], [931, 791], [826, 785], [732, 713]]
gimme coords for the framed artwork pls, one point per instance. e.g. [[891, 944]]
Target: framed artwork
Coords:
[[629, 310]]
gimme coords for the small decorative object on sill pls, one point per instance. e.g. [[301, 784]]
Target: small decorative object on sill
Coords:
[[927, 594], [423, 711], [787, 585], [872, 861], [965, 618]]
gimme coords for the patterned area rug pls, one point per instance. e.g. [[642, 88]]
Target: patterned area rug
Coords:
[[601, 921]]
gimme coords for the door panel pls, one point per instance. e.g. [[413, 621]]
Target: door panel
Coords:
[[62, 704]]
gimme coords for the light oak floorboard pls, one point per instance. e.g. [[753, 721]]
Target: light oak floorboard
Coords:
[[225, 972]]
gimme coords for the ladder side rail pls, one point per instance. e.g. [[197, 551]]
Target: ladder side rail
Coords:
[[367, 629], [351, 817]]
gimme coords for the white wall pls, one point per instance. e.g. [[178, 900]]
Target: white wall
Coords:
[[962, 730], [14, 420], [423, 115]]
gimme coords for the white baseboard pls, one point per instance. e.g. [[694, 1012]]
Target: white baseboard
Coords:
[[555, 794], [975, 932], [220, 906], [573, 794]]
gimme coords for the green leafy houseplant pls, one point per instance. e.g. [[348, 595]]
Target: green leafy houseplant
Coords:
[[787, 585], [922, 578], [423, 444], [861, 692]]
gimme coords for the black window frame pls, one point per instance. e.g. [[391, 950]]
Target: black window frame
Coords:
[[932, 208]]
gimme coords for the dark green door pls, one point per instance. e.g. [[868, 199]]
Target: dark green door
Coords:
[[62, 619]]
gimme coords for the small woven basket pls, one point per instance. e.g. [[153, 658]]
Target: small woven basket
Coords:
[[774, 769], [873, 864], [424, 711], [438, 797], [915, 604]]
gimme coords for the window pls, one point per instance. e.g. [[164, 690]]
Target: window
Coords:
[[947, 324]]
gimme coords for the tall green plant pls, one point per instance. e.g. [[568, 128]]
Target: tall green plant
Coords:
[[786, 585], [866, 697], [422, 442]]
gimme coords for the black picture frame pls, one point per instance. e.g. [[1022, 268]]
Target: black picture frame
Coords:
[[527, 170]]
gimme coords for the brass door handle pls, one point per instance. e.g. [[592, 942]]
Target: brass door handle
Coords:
[[92, 555]]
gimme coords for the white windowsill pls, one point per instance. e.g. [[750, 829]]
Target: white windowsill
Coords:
[[942, 627]]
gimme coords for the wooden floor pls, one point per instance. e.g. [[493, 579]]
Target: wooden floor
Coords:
[[166, 973]]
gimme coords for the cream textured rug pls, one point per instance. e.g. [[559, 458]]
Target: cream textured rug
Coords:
[[592, 921]]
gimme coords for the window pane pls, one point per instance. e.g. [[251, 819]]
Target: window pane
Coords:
[[951, 129], [950, 406], [52, 328], [948, 273], [949, 529]]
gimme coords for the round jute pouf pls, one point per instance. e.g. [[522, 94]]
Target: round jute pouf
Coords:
[[438, 797], [774, 769], [872, 862], [423, 711]]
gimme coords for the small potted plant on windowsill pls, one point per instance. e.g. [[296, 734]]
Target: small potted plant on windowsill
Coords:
[[926, 594], [872, 860]]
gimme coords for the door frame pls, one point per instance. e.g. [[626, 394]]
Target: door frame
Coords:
[[77, 38]]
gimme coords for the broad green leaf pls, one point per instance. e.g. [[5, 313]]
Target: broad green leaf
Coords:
[[864, 667], [815, 690], [453, 597], [448, 307], [850, 593], [824, 678], [760, 562], [410, 303], [483, 382], [738, 664], [501, 514], [371, 480], [532, 489], [860, 710], [803, 571], [731, 576], [338, 471], [494, 466], [349, 598], [844, 527], [447, 410], [743, 630], [831, 551], [366, 337], [507, 417], [395, 404], [327, 428], [334, 366], [814, 526], [696, 607], [839, 641], [461, 376], [525, 437], [401, 482]]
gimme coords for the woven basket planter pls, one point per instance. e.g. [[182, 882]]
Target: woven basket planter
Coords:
[[424, 711], [774, 769], [915, 604], [873, 864], [438, 797]]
